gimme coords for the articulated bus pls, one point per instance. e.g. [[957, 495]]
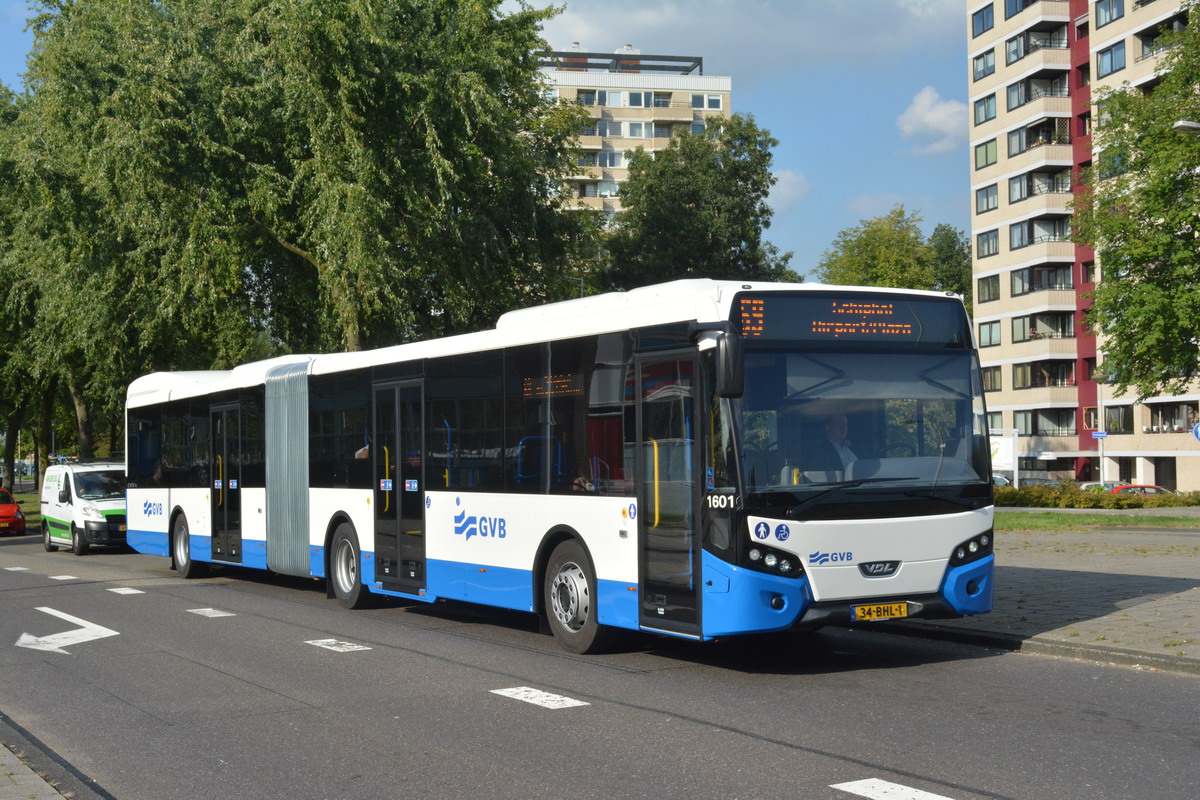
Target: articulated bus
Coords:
[[698, 459]]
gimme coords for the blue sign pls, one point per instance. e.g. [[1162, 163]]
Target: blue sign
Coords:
[[1196, 430], [385, 485], [410, 486], [782, 533], [1099, 434], [233, 483], [762, 530]]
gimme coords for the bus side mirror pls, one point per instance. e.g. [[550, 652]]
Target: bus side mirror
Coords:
[[731, 365]]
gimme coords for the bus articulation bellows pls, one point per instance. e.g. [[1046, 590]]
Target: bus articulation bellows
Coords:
[[698, 459]]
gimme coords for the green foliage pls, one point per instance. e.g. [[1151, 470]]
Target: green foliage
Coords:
[[1139, 211], [698, 209], [190, 184], [882, 251], [950, 251], [1070, 495]]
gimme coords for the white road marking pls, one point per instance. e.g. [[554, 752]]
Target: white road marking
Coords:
[[539, 698], [876, 789], [63, 578], [126, 590], [211, 612], [55, 642], [338, 647], [17, 569]]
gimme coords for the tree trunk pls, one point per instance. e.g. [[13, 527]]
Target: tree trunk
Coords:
[[10, 444], [83, 419], [41, 454]]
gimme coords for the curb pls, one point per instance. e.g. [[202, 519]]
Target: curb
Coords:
[[1036, 646], [34, 771]]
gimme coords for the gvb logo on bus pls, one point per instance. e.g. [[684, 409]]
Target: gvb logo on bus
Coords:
[[152, 509], [819, 557], [471, 525]]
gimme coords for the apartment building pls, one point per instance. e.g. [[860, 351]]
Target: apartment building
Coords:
[[1032, 68], [634, 100]]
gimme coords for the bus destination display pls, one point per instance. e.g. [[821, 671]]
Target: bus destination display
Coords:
[[850, 317]]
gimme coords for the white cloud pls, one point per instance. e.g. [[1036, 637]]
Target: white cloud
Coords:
[[790, 188], [751, 39], [935, 125]]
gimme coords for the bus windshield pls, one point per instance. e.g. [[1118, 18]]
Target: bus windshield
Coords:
[[896, 420]]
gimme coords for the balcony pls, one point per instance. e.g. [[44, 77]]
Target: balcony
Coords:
[[675, 112], [1041, 155]]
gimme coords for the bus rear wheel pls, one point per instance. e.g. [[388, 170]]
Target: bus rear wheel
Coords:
[[345, 561], [181, 550], [570, 600]]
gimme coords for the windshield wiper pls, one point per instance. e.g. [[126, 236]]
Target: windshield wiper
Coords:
[[833, 487], [932, 495]]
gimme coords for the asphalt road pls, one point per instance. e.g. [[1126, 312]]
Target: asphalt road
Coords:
[[228, 687]]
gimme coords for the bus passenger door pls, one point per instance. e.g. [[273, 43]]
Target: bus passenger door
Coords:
[[227, 456], [397, 454], [668, 497]]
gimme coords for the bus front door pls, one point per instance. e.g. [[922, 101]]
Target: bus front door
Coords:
[[397, 455], [227, 455], [669, 497]]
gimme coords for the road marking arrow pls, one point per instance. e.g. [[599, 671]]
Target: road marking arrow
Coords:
[[55, 642]]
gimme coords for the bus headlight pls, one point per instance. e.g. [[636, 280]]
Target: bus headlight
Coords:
[[972, 550], [771, 559], [785, 566], [755, 554]]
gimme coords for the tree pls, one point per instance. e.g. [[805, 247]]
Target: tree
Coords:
[[882, 251], [698, 209], [1138, 208], [950, 250]]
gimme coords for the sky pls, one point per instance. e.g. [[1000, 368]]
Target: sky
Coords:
[[868, 98]]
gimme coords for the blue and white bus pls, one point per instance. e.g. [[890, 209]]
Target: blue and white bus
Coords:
[[698, 459]]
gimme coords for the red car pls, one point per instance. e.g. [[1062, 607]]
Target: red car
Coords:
[[1135, 488], [12, 520]]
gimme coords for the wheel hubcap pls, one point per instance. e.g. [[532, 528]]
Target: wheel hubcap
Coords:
[[345, 567], [181, 548], [569, 598]]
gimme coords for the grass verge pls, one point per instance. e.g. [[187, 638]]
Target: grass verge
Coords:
[[1055, 521]]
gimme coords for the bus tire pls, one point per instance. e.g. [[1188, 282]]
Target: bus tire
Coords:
[[570, 600], [46, 543], [79, 545], [181, 551], [345, 568]]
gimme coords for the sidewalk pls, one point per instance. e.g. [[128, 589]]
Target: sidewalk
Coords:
[[19, 782], [1127, 596]]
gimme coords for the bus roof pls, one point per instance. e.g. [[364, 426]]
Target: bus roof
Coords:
[[699, 299]]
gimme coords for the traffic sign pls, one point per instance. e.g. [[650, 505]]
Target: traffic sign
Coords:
[[1099, 434]]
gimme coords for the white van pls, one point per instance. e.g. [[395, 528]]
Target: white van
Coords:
[[83, 505]]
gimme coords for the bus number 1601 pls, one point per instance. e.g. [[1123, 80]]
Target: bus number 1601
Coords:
[[722, 501]]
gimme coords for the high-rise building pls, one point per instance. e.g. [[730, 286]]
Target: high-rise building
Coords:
[[1033, 66], [635, 100]]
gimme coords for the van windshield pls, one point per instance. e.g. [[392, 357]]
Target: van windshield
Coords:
[[109, 485]]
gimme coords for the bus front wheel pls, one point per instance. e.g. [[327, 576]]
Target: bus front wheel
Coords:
[[570, 600], [344, 564], [181, 550]]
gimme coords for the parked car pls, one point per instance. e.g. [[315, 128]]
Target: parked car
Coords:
[[83, 505], [12, 519], [1098, 486], [1139, 488], [1000, 480], [1038, 482]]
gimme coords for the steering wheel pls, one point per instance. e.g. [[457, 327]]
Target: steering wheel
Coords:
[[901, 448]]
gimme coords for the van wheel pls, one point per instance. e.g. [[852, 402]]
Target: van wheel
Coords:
[[181, 551], [345, 563], [79, 545], [50, 548]]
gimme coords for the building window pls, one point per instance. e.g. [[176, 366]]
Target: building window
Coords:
[[1017, 95], [697, 127], [989, 334], [995, 420], [1016, 142], [708, 101], [982, 20], [587, 159], [641, 99], [585, 98], [1023, 422], [1110, 60], [606, 127], [1118, 419], [1014, 49], [989, 289], [662, 131], [1014, 7], [1022, 376], [1108, 11], [984, 64], [985, 109], [607, 189], [610, 159], [640, 130], [991, 379], [1087, 272], [985, 154], [986, 198], [1018, 236], [1090, 418], [987, 244]]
